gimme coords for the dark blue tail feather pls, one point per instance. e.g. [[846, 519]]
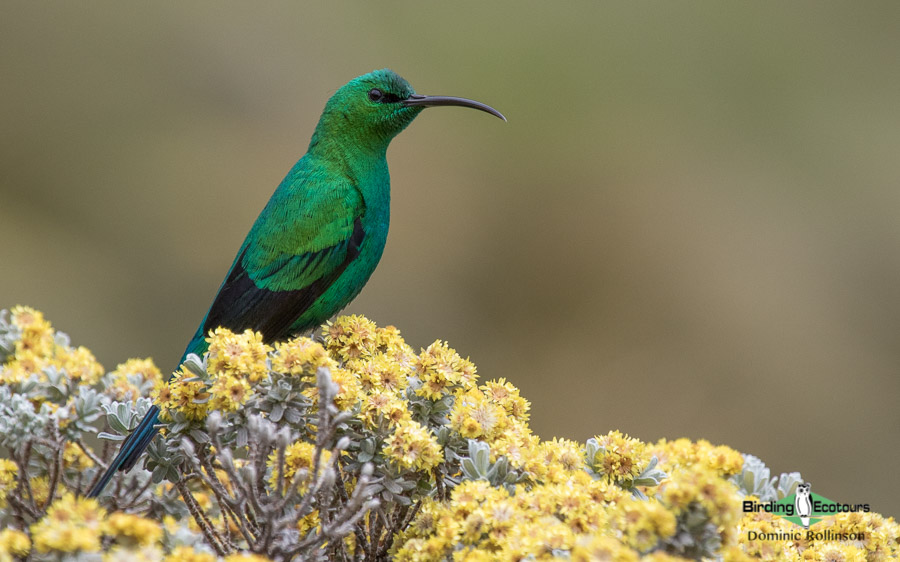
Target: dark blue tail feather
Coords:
[[135, 444], [130, 452]]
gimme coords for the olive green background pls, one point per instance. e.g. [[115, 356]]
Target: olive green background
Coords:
[[689, 226]]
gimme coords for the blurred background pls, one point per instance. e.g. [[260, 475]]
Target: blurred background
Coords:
[[689, 226]]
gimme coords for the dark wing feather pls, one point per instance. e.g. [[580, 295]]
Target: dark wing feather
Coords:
[[242, 304]]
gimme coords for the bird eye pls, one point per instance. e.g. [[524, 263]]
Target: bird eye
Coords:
[[375, 94]]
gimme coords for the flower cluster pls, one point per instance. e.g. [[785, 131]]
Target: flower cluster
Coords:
[[569, 507], [31, 348], [349, 445], [411, 446]]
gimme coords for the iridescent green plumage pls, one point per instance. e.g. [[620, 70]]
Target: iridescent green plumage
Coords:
[[320, 236]]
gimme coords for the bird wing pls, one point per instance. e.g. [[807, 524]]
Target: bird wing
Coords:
[[299, 245]]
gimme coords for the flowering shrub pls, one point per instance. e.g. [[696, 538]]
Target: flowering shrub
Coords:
[[352, 446]]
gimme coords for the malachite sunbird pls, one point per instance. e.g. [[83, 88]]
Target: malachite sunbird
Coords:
[[321, 234]]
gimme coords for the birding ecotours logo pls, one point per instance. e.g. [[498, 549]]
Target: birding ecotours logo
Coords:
[[803, 508]]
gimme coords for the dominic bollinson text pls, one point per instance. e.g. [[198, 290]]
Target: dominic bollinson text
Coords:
[[825, 535]]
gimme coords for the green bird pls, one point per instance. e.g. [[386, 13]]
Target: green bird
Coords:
[[320, 236]]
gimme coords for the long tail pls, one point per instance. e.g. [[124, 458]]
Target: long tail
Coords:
[[130, 452], [135, 444]]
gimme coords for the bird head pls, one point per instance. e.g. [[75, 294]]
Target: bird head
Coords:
[[372, 109]]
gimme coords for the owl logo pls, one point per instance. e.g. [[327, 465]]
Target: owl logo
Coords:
[[803, 503]]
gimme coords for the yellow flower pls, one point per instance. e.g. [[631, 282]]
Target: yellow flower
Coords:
[[122, 390], [351, 337], [388, 337], [734, 553], [229, 393], [26, 317], [75, 458], [245, 557], [507, 396], [40, 489], [15, 543], [241, 354], [8, 472], [724, 460], [70, 525], [81, 366], [620, 457], [308, 522], [162, 397], [380, 373], [204, 502], [301, 357], [881, 533], [474, 416], [660, 556], [189, 398], [188, 554], [515, 442], [383, 407], [685, 453], [129, 376], [598, 547], [350, 545], [472, 493], [298, 455], [551, 534], [144, 370], [349, 389], [554, 461], [36, 332], [117, 553], [412, 446], [473, 555], [131, 530], [441, 369], [644, 523], [828, 551], [434, 388], [470, 428], [391, 344], [718, 497], [14, 373], [603, 491]]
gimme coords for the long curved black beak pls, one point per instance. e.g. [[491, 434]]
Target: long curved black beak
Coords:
[[432, 101]]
